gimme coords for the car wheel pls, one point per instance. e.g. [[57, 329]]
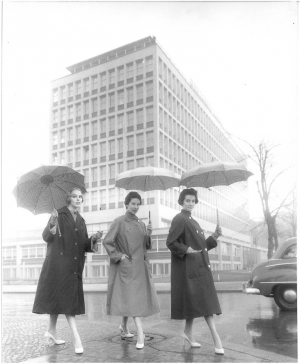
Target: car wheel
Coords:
[[286, 298]]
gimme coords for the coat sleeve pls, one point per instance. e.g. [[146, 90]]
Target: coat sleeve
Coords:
[[88, 246], [176, 230], [211, 243], [109, 242], [48, 234]]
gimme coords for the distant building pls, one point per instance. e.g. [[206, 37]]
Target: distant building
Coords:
[[128, 108]]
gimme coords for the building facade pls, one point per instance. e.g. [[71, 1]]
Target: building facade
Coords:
[[131, 107]]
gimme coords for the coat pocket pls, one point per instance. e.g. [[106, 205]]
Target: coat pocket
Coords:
[[194, 265], [125, 267]]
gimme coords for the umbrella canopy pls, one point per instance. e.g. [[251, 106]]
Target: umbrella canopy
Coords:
[[215, 174], [45, 188], [147, 179]]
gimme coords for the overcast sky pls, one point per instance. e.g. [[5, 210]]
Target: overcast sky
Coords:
[[241, 55]]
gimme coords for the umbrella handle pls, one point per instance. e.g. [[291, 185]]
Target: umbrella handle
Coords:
[[149, 217], [218, 217]]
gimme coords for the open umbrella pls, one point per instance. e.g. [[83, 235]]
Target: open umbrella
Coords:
[[147, 179], [44, 188], [215, 174]]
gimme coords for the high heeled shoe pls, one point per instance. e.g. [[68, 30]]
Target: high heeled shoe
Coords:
[[79, 350], [140, 346], [123, 332], [51, 337], [219, 351], [193, 344]]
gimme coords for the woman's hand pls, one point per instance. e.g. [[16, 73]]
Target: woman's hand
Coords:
[[97, 236], [53, 218], [124, 256], [149, 229], [192, 251], [217, 233]]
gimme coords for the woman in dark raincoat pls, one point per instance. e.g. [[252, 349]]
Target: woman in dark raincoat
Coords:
[[60, 289], [130, 291], [193, 293]]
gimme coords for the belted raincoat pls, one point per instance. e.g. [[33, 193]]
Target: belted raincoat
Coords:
[[193, 292], [130, 289], [60, 288]]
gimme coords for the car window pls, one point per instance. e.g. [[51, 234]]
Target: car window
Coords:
[[291, 252]]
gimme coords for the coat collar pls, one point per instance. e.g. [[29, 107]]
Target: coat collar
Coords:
[[65, 210], [129, 216], [185, 212]]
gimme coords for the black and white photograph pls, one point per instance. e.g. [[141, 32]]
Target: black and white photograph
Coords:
[[149, 181]]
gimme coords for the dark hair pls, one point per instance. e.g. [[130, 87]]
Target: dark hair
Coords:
[[69, 193], [130, 196], [185, 192]]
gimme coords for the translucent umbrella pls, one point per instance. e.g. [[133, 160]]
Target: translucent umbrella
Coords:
[[147, 179], [215, 174]]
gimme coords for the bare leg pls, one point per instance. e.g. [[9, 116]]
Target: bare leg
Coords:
[[52, 325], [124, 324], [73, 327], [188, 330], [139, 329], [211, 324]]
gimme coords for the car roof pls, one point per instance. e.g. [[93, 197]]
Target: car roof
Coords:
[[283, 247]]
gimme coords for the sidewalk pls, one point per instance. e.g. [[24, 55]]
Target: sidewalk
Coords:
[[162, 345], [102, 287]]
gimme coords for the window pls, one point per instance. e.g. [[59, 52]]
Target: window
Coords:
[[140, 141], [55, 95], [111, 171], [149, 114], [94, 105], [111, 195], [111, 147], [149, 64], [111, 123], [78, 109], [55, 116], [86, 130], [63, 92], [120, 145], [62, 136], [130, 94], [120, 121], [139, 92], [62, 157], [70, 112], [140, 162], [102, 126], [86, 177], [77, 155], [150, 161], [78, 132], [121, 97], [94, 151], [120, 167], [139, 67], [130, 143], [102, 79], [129, 118], [86, 85], [54, 138], [111, 100], [129, 70], [94, 82], [85, 153], [150, 139], [102, 102], [103, 196], [130, 165], [94, 128], [54, 158], [139, 116], [102, 173], [120, 71], [78, 87], [70, 156], [63, 114], [86, 106], [111, 76], [103, 149], [94, 174], [149, 89], [70, 90]]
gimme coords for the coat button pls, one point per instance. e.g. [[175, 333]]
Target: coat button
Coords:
[[76, 243], [190, 218], [76, 229], [61, 253], [74, 272], [208, 265], [197, 231], [205, 249], [75, 257]]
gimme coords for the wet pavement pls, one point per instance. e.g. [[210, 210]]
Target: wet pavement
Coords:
[[252, 329]]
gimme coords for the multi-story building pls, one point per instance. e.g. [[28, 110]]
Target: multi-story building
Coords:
[[132, 107]]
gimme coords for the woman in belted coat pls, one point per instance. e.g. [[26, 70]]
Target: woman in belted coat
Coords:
[[193, 293], [60, 288], [130, 291]]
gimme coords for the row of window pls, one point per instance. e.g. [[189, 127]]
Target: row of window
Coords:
[[99, 105], [112, 125], [104, 79]]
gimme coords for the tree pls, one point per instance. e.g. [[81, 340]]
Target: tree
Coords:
[[263, 157]]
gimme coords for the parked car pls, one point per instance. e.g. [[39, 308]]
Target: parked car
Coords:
[[277, 277]]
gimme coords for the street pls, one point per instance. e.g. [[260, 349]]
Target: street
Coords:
[[249, 322]]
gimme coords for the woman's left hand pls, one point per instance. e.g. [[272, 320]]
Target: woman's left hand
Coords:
[[217, 233], [149, 229], [97, 236]]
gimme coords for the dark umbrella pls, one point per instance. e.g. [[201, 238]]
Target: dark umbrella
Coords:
[[44, 188], [215, 174]]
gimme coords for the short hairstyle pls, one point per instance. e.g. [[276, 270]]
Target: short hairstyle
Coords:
[[130, 196], [69, 193], [185, 192]]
